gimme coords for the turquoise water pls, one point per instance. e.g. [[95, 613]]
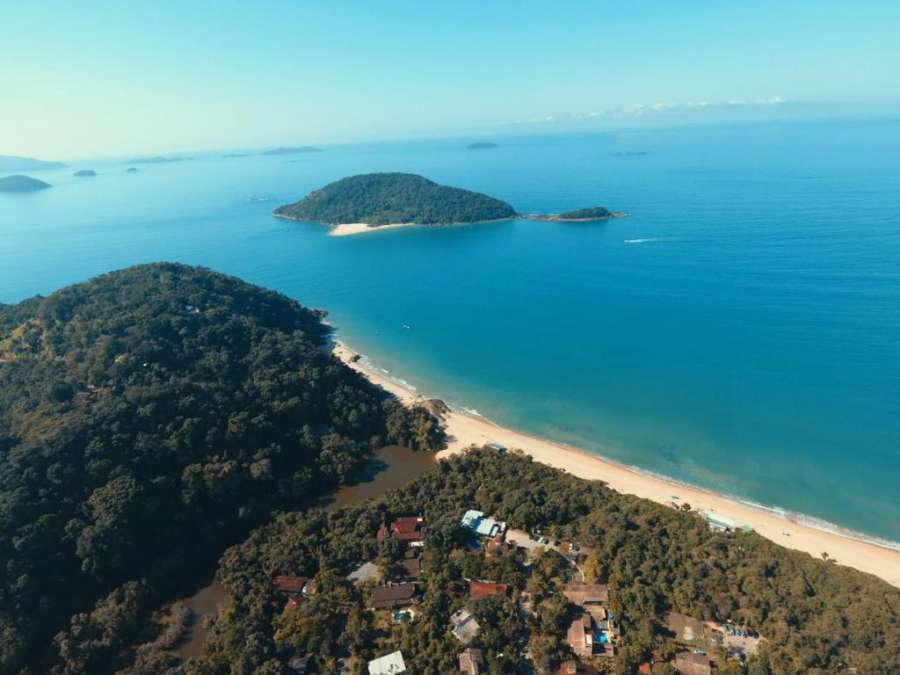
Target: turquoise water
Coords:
[[740, 330]]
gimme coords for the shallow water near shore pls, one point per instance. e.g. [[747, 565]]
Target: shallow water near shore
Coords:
[[740, 330]]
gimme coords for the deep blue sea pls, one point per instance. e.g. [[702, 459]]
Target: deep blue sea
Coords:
[[740, 330]]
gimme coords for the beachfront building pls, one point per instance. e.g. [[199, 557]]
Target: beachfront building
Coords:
[[482, 526], [389, 664], [718, 523]]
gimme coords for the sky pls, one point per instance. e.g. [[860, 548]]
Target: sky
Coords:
[[82, 78]]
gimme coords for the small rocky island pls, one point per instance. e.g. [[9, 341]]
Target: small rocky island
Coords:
[[291, 150], [481, 145], [85, 173], [381, 199], [19, 183], [132, 169], [158, 160], [586, 215]]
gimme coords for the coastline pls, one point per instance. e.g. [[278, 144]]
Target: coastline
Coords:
[[789, 530], [346, 229]]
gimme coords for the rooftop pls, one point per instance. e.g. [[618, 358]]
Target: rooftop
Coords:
[[483, 589], [288, 585], [396, 595], [471, 661], [580, 593], [388, 664], [465, 627]]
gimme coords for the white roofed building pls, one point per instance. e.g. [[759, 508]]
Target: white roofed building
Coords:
[[387, 664], [482, 526]]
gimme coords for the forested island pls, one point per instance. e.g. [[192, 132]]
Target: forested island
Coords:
[[387, 198], [85, 173], [481, 145], [19, 183], [15, 163], [149, 418], [585, 215]]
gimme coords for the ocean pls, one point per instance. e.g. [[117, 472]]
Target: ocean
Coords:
[[739, 330]]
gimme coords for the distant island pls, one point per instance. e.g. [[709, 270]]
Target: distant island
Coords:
[[481, 145], [586, 215], [85, 173], [300, 149], [14, 163], [381, 199], [19, 183], [158, 160], [131, 169]]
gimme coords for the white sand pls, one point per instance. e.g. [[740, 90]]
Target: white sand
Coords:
[[345, 229], [467, 430]]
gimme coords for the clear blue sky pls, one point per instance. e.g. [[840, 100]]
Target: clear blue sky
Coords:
[[82, 78]]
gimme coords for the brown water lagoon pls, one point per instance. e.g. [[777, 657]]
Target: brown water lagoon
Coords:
[[393, 466]]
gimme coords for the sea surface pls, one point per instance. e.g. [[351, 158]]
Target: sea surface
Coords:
[[740, 330]]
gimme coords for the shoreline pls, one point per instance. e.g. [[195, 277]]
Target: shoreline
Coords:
[[346, 229], [794, 531]]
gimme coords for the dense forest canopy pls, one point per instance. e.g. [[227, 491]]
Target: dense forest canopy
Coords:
[[815, 616], [384, 198], [590, 213], [148, 418]]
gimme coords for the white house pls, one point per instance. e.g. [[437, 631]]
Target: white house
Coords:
[[387, 664]]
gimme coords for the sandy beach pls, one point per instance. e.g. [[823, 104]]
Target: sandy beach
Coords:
[[466, 430], [345, 229]]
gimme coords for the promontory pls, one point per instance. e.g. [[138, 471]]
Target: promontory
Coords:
[[382, 199], [19, 183]]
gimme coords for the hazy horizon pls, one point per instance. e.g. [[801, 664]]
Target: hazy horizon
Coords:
[[143, 78]]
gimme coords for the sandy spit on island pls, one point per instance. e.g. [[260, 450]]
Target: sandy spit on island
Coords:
[[345, 229], [466, 430]]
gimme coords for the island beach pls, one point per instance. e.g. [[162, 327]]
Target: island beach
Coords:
[[345, 229], [464, 430]]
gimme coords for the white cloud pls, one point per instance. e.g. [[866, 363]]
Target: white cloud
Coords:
[[642, 109]]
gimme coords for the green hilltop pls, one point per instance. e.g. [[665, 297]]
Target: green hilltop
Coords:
[[384, 198]]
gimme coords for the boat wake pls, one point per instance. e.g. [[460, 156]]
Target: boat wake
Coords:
[[649, 240]]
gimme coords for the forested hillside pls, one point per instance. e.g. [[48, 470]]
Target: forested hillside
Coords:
[[149, 418]]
